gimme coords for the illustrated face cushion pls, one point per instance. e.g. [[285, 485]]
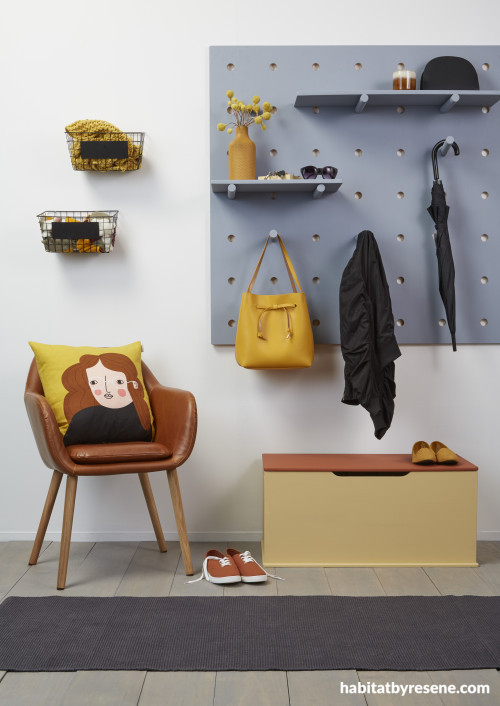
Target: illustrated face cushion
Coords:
[[97, 394]]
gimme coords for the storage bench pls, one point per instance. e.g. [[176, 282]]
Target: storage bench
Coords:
[[367, 510]]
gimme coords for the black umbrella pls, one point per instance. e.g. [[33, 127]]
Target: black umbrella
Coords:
[[438, 211]]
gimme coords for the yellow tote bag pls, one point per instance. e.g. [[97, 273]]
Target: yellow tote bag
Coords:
[[274, 330]]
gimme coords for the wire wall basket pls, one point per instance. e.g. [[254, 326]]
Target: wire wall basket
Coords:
[[96, 151], [78, 231]]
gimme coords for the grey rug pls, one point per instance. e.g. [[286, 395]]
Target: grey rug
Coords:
[[250, 633]]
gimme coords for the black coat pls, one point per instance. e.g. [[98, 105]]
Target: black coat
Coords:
[[367, 338]]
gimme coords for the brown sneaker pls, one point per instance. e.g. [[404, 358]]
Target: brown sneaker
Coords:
[[250, 570], [218, 568]]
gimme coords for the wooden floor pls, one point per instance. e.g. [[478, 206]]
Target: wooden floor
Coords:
[[139, 569]]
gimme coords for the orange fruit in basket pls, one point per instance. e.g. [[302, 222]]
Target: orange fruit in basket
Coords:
[[86, 245]]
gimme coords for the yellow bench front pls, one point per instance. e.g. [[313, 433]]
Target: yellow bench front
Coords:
[[319, 518]]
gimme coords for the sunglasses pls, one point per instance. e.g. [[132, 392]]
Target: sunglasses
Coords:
[[312, 172]]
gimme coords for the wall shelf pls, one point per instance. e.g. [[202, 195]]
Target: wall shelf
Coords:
[[359, 100], [316, 187]]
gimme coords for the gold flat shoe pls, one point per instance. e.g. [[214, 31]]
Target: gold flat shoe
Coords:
[[422, 454], [444, 454]]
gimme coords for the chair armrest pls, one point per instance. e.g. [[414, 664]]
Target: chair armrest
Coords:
[[47, 435], [176, 420]]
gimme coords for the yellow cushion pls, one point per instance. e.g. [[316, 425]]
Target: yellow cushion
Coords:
[[97, 394]]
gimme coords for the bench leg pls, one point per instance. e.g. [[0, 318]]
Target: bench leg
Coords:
[[175, 493], [69, 508], [45, 519], [153, 512]]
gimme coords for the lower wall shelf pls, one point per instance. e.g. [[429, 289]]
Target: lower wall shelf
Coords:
[[316, 187]]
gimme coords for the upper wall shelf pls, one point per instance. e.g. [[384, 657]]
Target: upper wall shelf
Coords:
[[317, 187], [358, 101]]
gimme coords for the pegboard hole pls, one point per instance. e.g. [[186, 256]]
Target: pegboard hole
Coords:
[[358, 66], [400, 237], [485, 152], [231, 280], [358, 195], [273, 152], [400, 152], [484, 280], [273, 195], [400, 194], [400, 322], [400, 280], [315, 109], [315, 280], [274, 280], [484, 322], [401, 66], [315, 238], [231, 237], [484, 195], [358, 153], [273, 66], [484, 237], [230, 67], [442, 322], [231, 323], [485, 109], [315, 66], [485, 66], [274, 109], [316, 152], [400, 109], [316, 322]]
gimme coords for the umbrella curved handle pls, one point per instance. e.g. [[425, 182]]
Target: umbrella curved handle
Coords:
[[435, 149]]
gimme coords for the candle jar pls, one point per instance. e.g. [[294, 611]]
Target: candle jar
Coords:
[[404, 80]]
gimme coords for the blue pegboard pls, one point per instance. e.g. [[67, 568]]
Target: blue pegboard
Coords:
[[384, 159]]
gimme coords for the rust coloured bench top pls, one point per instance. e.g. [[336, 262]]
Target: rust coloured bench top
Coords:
[[355, 463]]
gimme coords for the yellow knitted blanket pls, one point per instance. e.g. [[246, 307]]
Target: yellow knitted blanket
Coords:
[[102, 131]]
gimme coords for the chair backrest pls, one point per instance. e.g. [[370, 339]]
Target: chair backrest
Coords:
[[33, 382]]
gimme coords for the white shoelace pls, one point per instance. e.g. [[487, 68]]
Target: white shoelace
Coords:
[[247, 558], [223, 561]]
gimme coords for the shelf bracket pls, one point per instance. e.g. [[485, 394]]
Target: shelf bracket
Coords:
[[450, 103], [231, 191], [361, 104], [319, 191]]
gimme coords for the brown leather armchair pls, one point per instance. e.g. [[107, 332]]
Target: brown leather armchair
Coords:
[[175, 418]]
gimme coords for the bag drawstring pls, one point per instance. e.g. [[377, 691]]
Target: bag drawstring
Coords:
[[284, 307]]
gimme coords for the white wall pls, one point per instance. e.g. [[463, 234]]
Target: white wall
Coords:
[[144, 66]]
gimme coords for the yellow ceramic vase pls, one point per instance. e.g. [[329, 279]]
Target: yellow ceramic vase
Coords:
[[242, 156]]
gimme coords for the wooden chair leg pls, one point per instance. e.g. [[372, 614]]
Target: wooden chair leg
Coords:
[[47, 512], [175, 493], [153, 512], [69, 507]]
